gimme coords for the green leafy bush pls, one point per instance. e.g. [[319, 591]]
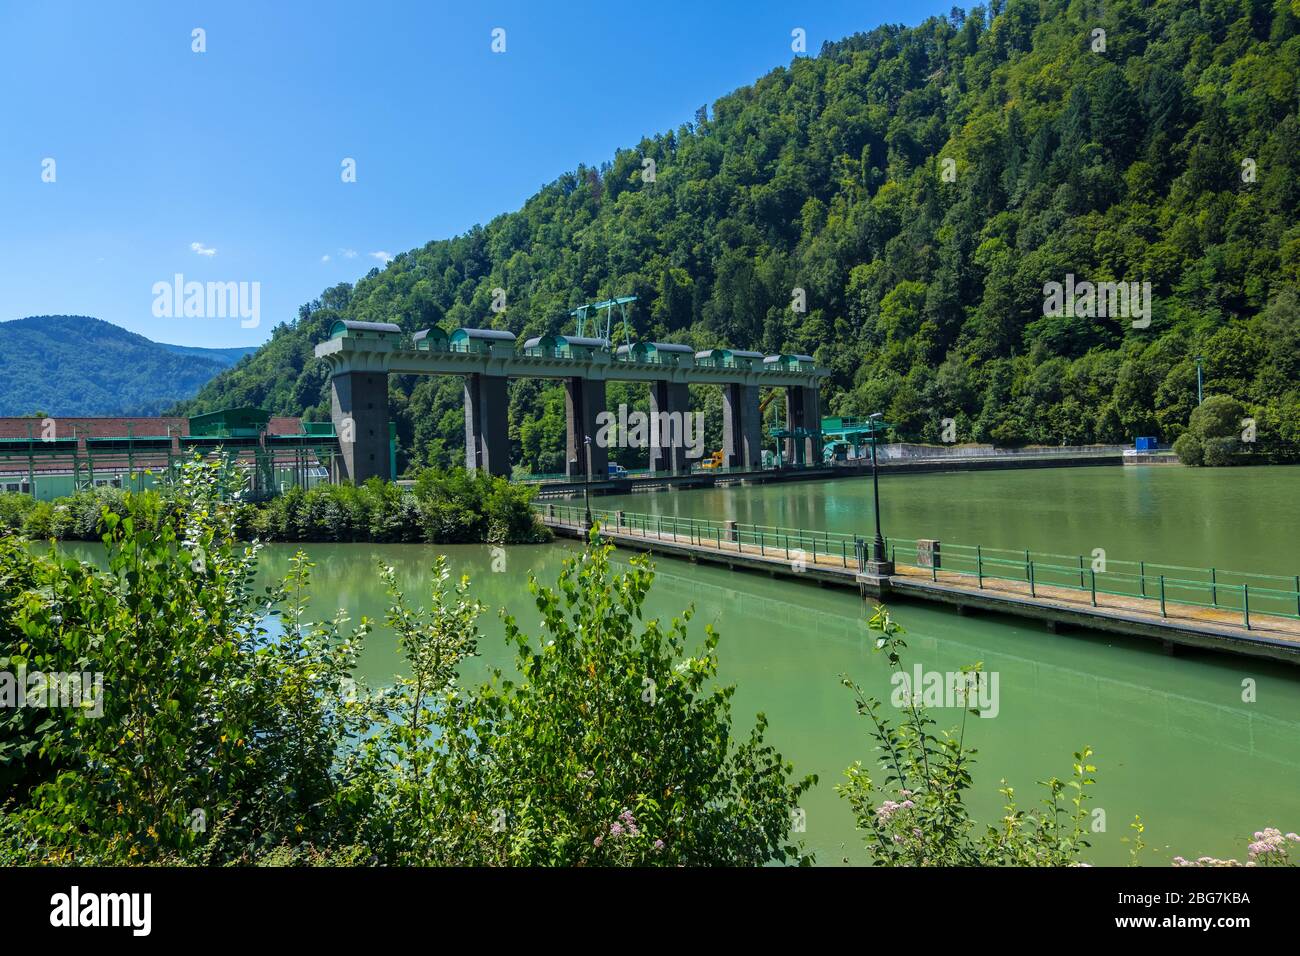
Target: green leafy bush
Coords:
[[209, 733], [613, 746], [443, 507], [917, 815], [229, 728], [1212, 436]]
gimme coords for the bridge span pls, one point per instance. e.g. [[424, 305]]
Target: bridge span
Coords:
[[362, 355]]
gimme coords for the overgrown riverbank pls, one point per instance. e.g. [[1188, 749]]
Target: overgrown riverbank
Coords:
[[442, 507]]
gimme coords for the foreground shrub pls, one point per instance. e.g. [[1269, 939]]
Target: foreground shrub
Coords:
[[918, 816], [613, 747], [1268, 847], [229, 728], [208, 733]]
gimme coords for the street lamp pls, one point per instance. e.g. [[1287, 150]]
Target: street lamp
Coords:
[[586, 484], [1199, 392], [879, 559]]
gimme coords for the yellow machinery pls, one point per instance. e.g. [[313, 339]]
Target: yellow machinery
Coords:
[[716, 460]]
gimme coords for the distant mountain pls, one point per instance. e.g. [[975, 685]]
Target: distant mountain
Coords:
[[226, 357], [76, 365]]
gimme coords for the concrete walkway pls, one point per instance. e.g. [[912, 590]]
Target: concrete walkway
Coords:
[[1060, 608]]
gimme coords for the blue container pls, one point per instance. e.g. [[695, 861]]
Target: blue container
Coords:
[[1146, 444]]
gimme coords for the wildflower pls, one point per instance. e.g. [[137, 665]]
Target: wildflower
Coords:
[[658, 845], [886, 810], [598, 841], [616, 829]]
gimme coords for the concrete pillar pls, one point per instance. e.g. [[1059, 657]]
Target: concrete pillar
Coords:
[[803, 410], [794, 413], [359, 408], [487, 424], [584, 400], [670, 439], [813, 423], [742, 429]]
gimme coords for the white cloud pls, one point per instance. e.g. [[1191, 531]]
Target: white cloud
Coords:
[[348, 253], [325, 258], [382, 256], [203, 250]]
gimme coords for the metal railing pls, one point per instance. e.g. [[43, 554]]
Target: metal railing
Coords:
[[1240, 592], [696, 471]]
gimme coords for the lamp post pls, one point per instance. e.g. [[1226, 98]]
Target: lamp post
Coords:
[[586, 484], [1199, 391], [880, 563]]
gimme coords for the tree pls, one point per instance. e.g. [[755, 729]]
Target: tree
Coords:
[[1212, 435]]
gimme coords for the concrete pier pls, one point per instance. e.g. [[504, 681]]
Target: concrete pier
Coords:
[[487, 432], [742, 427], [803, 412], [667, 451], [359, 408], [584, 399]]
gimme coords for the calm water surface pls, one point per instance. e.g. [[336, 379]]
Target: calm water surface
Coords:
[[1174, 742]]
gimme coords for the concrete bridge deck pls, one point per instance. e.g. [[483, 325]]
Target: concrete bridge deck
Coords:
[[1060, 608], [362, 355]]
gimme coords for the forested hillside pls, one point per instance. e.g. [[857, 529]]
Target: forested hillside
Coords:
[[1166, 151], [74, 365]]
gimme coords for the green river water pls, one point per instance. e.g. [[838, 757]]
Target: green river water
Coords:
[[1174, 740]]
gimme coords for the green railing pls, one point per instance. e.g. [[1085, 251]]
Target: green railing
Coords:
[[1244, 593], [696, 471], [791, 543]]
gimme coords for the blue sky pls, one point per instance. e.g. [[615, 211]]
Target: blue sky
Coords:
[[225, 165]]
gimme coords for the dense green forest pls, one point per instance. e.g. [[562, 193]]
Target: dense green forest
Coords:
[[921, 186], [72, 365]]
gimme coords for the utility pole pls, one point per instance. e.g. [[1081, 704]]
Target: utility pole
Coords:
[[1200, 392]]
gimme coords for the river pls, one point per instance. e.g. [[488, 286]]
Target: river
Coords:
[[1174, 740]]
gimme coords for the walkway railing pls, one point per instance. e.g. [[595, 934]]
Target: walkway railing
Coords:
[[1241, 592], [696, 470]]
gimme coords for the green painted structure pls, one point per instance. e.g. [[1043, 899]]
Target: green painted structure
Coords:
[[49, 468]]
